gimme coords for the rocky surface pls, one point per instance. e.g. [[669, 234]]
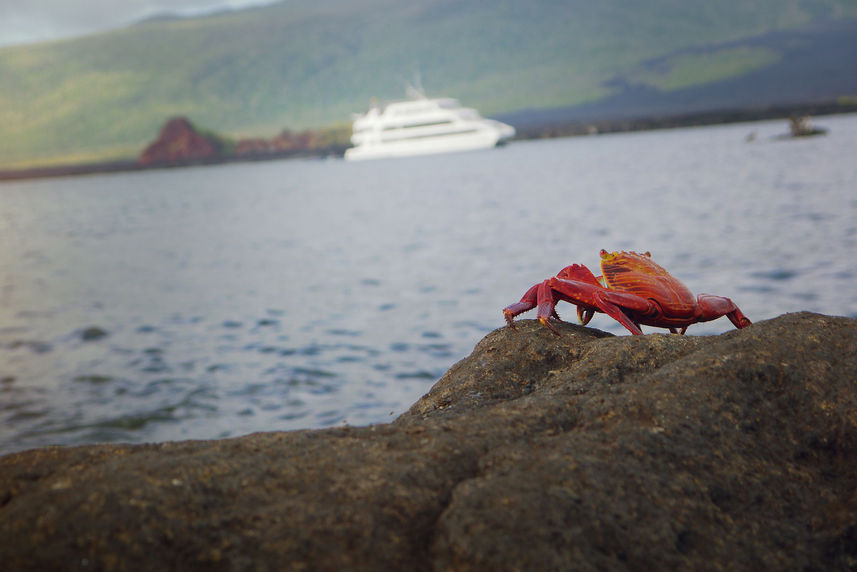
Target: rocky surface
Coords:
[[536, 452], [284, 142], [179, 142]]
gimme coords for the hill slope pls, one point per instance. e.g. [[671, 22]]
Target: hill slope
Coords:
[[813, 65], [309, 63]]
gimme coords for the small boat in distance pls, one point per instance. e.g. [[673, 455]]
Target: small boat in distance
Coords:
[[422, 126]]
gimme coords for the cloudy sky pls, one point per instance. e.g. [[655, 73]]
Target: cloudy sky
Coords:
[[26, 21]]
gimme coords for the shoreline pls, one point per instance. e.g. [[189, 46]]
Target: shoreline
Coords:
[[629, 124], [535, 130], [128, 165]]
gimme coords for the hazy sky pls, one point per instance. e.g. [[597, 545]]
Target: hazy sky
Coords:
[[25, 21]]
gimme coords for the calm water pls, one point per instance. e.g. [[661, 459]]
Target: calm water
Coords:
[[301, 294]]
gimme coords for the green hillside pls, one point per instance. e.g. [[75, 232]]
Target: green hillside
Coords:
[[311, 63]]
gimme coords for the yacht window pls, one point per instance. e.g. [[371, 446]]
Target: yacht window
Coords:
[[409, 137], [415, 125]]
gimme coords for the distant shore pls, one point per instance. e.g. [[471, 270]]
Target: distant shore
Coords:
[[525, 131], [665, 121], [134, 165]]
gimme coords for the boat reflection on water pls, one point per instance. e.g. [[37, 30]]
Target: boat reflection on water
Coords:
[[422, 126]]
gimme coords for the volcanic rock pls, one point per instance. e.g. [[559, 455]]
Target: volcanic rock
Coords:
[[93, 333], [179, 142], [537, 452]]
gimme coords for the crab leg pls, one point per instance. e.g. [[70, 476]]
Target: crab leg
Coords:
[[616, 312], [528, 302], [593, 296], [539, 295], [547, 305], [712, 307]]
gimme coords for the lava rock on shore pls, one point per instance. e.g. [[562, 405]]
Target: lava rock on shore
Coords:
[[179, 142], [536, 452]]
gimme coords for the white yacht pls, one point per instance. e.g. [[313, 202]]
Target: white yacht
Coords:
[[421, 126]]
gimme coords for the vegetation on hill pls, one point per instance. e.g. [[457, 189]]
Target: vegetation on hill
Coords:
[[311, 63]]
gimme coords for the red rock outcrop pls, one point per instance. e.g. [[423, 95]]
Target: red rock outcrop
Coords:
[[179, 142]]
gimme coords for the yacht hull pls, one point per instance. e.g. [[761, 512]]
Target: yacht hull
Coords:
[[451, 143]]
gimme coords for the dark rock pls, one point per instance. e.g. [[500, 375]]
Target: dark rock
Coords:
[[93, 333], [94, 378], [536, 452], [800, 127]]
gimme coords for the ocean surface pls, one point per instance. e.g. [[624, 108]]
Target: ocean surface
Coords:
[[218, 301]]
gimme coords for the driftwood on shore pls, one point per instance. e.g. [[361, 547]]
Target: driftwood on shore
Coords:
[[536, 452]]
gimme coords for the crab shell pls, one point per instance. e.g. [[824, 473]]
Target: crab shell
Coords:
[[638, 274]]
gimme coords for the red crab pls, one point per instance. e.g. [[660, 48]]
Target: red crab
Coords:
[[632, 290]]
